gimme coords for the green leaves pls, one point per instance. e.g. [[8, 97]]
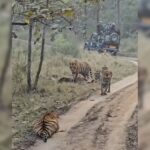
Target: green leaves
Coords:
[[68, 12], [48, 14]]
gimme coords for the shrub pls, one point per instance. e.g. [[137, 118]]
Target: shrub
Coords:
[[128, 47], [65, 46]]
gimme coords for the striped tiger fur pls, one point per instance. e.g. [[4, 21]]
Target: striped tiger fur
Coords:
[[97, 75], [105, 82], [104, 68], [47, 125], [82, 68]]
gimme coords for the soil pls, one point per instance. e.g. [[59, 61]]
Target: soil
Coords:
[[99, 122]]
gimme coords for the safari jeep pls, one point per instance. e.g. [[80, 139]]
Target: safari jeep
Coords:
[[106, 39]]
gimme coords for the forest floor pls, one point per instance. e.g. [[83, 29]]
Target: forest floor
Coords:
[[99, 123]]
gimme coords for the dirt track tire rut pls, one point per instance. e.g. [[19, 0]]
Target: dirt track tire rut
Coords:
[[105, 126], [105, 121]]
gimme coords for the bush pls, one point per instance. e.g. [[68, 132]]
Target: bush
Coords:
[[128, 47], [65, 46]]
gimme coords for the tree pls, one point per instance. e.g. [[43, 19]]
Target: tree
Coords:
[[41, 58], [98, 11], [85, 15], [98, 4], [29, 57], [45, 14], [42, 53], [118, 13]]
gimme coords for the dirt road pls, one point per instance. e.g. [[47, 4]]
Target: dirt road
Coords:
[[99, 123], [106, 125]]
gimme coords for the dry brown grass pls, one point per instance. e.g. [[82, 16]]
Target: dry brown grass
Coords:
[[52, 95]]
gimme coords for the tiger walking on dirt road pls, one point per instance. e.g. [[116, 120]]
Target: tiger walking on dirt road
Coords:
[[105, 80]]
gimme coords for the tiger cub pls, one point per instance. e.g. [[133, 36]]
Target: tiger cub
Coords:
[[97, 75], [46, 126], [82, 68], [104, 68], [106, 82]]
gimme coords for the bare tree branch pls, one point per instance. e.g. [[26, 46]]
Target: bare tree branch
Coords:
[[19, 23]]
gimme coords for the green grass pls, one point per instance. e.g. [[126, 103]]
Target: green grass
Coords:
[[129, 47]]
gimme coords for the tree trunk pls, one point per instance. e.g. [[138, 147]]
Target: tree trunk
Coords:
[[85, 15], [98, 11], [42, 53], [47, 3], [118, 13], [41, 57], [29, 58]]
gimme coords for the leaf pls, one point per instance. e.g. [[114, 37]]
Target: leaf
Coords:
[[69, 12], [27, 20], [29, 13]]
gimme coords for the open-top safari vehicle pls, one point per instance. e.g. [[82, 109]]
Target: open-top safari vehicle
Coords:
[[107, 38]]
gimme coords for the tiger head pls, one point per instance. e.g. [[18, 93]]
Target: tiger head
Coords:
[[52, 115], [107, 74], [44, 136], [73, 66], [104, 68]]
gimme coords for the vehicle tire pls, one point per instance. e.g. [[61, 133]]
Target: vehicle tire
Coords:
[[114, 54], [114, 38]]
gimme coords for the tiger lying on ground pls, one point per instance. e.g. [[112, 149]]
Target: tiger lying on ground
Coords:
[[105, 82], [46, 126], [82, 68]]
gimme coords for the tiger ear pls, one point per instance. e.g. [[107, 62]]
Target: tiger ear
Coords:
[[55, 114], [76, 61], [70, 62]]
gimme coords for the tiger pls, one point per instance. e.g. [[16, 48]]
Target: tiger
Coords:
[[106, 82], [104, 68], [97, 75], [82, 68], [46, 126]]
